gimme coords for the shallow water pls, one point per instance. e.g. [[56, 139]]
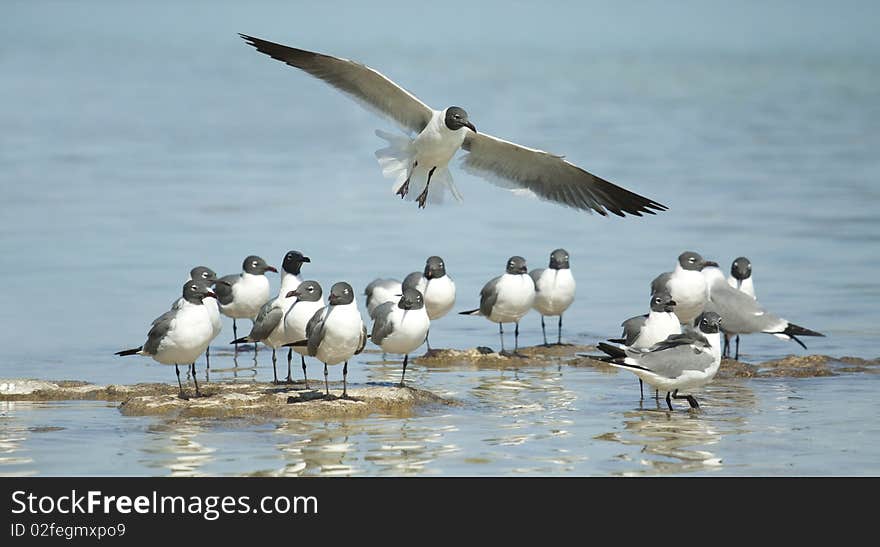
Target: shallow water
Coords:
[[141, 141]]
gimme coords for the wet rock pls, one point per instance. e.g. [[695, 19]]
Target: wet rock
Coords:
[[230, 399], [483, 356]]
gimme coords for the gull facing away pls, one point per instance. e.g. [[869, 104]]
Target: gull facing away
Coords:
[[681, 362], [740, 278], [308, 300], [643, 331], [401, 327], [242, 295], [181, 334], [335, 333], [554, 290], [419, 164], [742, 314], [686, 285], [507, 298]]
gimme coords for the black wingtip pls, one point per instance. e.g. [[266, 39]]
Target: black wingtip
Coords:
[[297, 344], [469, 312], [617, 340], [242, 340], [131, 351], [793, 329], [613, 351]]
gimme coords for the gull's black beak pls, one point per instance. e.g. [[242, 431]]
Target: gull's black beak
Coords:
[[291, 293], [470, 126], [332, 299], [209, 294], [271, 269], [709, 263], [306, 259]]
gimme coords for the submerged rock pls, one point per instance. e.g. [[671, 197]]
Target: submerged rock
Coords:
[[485, 357], [230, 399]]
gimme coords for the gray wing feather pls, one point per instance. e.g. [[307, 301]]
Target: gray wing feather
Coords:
[[536, 275], [549, 176], [660, 282], [267, 319], [382, 326], [363, 343], [488, 296], [315, 331], [671, 362], [740, 313], [161, 326], [360, 82], [632, 328], [223, 291]]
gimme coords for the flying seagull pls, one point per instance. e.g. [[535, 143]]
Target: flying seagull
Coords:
[[417, 162]]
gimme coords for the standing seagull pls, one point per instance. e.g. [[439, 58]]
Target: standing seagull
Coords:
[[336, 333], [686, 285], [643, 331], [437, 288], [181, 334], [740, 278], [507, 298], [242, 295], [308, 300], [742, 314], [206, 274], [402, 327], [554, 290], [383, 290], [268, 328], [681, 362], [416, 162]]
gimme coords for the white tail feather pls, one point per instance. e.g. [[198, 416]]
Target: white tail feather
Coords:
[[396, 161]]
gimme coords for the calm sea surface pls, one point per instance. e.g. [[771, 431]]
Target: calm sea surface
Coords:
[[139, 141]]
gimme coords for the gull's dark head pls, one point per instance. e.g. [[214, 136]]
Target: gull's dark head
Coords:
[[692, 261], [411, 299], [195, 290], [256, 266], [435, 268], [203, 272], [559, 260], [456, 118], [412, 280], [662, 302], [340, 294], [516, 265], [741, 268], [308, 291], [293, 262], [708, 322]]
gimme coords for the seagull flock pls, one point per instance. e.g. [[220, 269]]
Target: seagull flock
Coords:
[[675, 347]]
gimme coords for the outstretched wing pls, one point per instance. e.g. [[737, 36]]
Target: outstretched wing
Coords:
[[549, 176], [367, 86]]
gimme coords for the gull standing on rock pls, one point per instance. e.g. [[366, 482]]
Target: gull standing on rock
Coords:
[[686, 285], [740, 278], [419, 164], [308, 299], [402, 327], [206, 274], [554, 290], [336, 333], [181, 334], [507, 298], [681, 362], [242, 295], [742, 314], [437, 288]]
